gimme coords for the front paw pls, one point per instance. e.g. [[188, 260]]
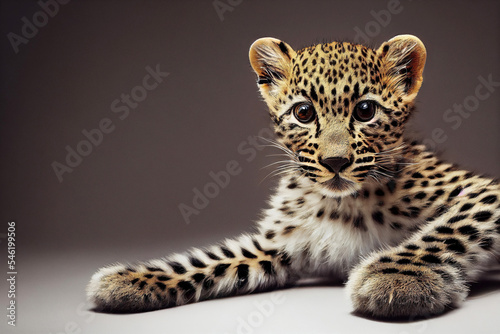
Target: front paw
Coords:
[[121, 288], [387, 289]]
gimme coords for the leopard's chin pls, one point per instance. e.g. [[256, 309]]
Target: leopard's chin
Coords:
[[338, 186]]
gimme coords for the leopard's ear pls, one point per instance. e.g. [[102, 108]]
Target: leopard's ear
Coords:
[[403, 60], [271, 59]]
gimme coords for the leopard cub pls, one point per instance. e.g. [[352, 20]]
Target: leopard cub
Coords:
[[356, 199]]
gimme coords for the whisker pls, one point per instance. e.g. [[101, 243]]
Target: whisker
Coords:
[[278, 172], [291, 165], [288, 162], [279, 155]]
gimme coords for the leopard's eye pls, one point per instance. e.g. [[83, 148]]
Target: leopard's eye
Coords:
[[304, 112], [364, 111]]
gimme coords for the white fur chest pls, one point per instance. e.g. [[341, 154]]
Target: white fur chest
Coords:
[[323, 236]]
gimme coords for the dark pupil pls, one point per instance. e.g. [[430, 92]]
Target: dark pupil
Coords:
[[365, 110], [304, 112]]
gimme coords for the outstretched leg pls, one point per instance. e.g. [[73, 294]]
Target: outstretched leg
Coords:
[[429, 273], [233, 267]]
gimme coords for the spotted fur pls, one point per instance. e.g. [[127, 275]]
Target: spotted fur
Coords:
[[356, 200]]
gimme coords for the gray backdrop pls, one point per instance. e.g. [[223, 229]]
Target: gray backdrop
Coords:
[[121, 201]]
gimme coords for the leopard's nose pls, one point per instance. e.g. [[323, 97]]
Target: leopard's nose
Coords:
[[335, 164]]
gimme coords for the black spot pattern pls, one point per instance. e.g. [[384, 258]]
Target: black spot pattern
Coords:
[[220, 269], [161, 286], [242, 272], [359, 222], [267, 267], [433, 249], [197, 263], [455, 245], [486, 243], [187, 288], [212, 256], [488, 199], [227, 253], [198, 277], [455, 192], [482, 216], [420, 195], [469, 230], [444, 230], [403, 261], [406, 254], [248, 254], [466, 207], [429, 238], [172, 293], [178, 268], [394, 210], [429, 258], [455, 219], [378, 217], [270, 234]]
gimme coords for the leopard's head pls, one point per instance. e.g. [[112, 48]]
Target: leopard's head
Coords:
[[340, 108]]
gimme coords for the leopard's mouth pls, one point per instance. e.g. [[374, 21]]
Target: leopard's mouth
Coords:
[[338, 183], [339, 186]]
